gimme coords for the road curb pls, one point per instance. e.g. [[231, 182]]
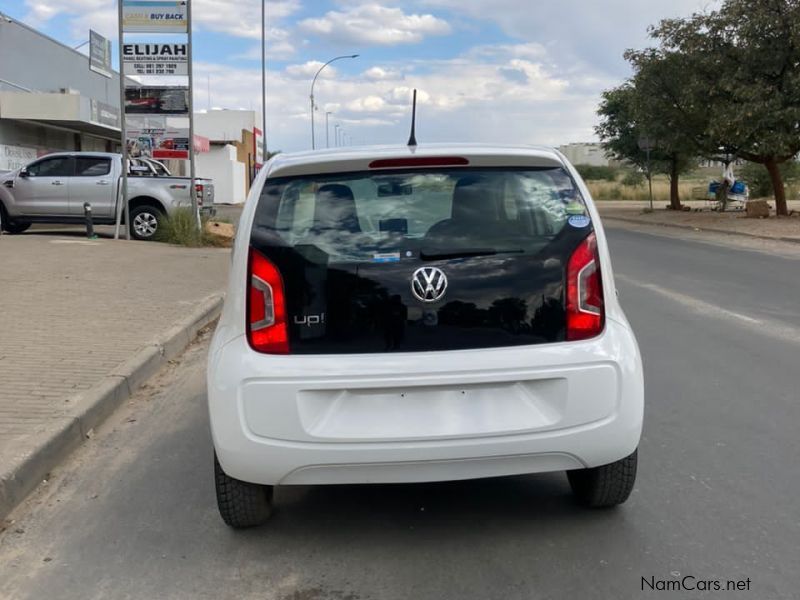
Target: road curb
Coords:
[[693, 228], [66, 432]]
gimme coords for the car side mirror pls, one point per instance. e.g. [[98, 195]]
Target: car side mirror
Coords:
[[24, 173]]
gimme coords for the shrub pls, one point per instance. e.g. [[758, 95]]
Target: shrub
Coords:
[[594, 173], [633, 178], [181, 229], [757, 178]]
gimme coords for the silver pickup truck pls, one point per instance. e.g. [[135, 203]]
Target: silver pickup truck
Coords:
[[54, 188]]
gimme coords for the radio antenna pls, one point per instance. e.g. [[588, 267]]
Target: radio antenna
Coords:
[[412, 140]]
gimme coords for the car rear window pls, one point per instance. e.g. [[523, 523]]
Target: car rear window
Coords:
[[372, 216]]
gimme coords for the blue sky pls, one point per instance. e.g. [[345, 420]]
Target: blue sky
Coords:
[[500, 71]]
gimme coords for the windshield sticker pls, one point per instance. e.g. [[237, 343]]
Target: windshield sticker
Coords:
[[386, 257], [579, 221]]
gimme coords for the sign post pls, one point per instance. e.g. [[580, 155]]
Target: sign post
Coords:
[[647, 144], [122, 195], [155, 134], [193, 174]]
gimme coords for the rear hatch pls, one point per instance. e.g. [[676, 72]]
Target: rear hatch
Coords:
[[419, 259]]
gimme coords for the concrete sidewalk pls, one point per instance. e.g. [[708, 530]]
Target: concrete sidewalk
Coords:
[[786, 229], [84, 323]]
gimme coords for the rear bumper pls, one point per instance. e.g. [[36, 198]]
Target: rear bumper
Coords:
[[425, 416]]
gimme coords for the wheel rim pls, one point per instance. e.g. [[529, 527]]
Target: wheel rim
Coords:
[[145, 224]]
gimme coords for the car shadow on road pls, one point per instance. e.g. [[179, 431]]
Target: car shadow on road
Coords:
[[71, 231], [523, 504]]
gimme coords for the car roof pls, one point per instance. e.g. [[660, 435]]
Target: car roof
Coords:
[[81, 154], [352, 159]]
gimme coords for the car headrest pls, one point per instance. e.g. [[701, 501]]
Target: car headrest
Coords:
[[336, 209], [473, 200]]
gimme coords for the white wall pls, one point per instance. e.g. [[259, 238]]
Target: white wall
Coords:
[[220, 164], [585, 154], [224, 125]]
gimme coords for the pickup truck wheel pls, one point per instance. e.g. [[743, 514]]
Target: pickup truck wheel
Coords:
[[241, 504], [607, 485], [15, 227], [145, 221]]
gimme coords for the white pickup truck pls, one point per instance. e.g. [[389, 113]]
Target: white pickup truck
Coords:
[[54, 188]]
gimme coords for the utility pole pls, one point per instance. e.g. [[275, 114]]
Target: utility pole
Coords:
[[327, 130]]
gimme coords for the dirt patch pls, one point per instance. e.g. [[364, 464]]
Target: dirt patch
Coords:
[[700, 218]]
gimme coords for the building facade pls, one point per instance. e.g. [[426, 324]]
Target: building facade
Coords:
[[583, 153], [231, 160], [50, 101]]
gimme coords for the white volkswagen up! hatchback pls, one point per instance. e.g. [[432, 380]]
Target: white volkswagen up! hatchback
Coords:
[[431, 313]]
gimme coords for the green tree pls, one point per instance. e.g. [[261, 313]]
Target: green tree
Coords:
[[658, 81], [625, 119], [740, 90]]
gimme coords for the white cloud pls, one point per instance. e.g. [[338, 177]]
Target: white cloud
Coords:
[[459, 100], [307, 70], [241, 18], [576, 32], [373, 24], [379, 74]]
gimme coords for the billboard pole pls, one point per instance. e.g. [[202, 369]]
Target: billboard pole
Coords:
[[122, 204], [193, 174]]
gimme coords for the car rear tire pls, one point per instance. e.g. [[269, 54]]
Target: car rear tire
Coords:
[[607, 485], [241, 504], [146, 220]]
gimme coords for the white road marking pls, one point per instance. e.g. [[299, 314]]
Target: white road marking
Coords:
[[768, 327], [76, 242]]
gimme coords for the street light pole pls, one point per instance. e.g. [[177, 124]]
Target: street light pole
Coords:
[[336, 134], [327, 130], [313, 81], [263, 81]]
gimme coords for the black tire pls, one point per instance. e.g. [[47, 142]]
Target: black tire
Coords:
[[241, 504], [15, 227], [12, 227], [146, 220], [607, 485]]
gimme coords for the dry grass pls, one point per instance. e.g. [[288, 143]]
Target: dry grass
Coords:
[[181, 229], [615, 190]]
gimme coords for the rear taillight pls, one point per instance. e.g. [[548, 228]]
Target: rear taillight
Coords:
[[585, 308], [199, 189], [267, 329]]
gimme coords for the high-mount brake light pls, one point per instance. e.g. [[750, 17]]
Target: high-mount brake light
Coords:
[[419, 161], [267, 326], [585, 305]]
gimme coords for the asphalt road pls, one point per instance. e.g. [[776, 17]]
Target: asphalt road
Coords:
[[132, 515]]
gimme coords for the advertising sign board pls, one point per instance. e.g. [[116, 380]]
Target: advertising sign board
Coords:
[[154, 16], [157, 137], [259, 149], [99, 54], [157, 101], [156, 59]]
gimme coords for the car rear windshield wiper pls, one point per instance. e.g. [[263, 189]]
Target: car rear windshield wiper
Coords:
[[439, 254]]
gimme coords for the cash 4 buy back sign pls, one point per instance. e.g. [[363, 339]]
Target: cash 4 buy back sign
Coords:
[[154, 16]]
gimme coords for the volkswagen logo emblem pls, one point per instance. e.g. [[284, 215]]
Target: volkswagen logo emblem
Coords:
[[428, 284]]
